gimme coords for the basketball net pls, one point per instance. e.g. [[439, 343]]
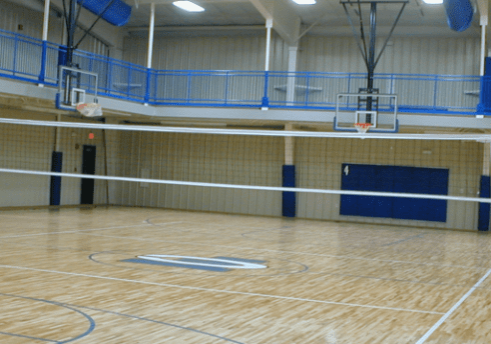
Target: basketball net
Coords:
[[362, 127], [89, 109]]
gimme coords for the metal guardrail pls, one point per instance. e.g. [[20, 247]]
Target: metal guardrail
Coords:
[[32, 60]]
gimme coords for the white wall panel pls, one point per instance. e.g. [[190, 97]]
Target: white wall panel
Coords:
[[415, 55], [216, 53], [11, 16]]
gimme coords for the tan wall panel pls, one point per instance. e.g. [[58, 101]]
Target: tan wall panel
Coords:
[[203, 158], [18, 153]]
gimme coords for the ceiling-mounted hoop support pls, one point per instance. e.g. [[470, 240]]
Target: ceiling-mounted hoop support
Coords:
[[72, 15], [369, 56]]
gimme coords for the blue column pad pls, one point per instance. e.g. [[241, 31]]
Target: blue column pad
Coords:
[[289, 198], [483, 224], [55, 188]]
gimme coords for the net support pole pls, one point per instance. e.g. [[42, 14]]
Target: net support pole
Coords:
[[485, 189], [56, 166], [288, 176]]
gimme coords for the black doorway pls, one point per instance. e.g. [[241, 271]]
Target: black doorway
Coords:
[[88, 167]]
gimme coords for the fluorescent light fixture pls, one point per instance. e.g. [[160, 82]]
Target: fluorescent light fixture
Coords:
[[433, 2], [304, 2], [188, 6]]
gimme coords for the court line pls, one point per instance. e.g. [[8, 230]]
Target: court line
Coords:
[[29, 337], [73, 307], [451, 310], [403, 240], [67, 248], [86, 316], [69, 232], [156, 322], [84, 230], [219, 291], [290, 252]]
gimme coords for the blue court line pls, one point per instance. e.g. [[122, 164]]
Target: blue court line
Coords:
[[91, 321], [28, 337], [91, 257], [157, 322]]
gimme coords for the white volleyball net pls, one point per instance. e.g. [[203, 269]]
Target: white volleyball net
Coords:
[[336, 175]]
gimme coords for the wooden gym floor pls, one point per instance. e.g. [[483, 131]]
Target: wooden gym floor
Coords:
[[73, 275]]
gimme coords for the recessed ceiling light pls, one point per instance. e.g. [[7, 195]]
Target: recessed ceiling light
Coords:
[[433, 2], [304, 2], [188, 6]]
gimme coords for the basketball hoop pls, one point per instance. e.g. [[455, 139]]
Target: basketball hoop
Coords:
[[362, 127], [89, 109]]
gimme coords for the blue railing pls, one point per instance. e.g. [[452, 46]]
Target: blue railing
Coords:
[[32, 60]]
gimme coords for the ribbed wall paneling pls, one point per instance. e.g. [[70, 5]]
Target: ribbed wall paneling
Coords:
[[404, 55], [203, 158], [33, 154], [12, 15], [208, 53]]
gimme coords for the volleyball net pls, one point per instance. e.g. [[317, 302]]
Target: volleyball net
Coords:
[[350, 174]]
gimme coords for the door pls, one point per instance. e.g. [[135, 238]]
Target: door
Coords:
[[88, 167]]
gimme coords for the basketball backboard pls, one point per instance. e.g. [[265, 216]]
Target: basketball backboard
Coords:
[[75, 86], [380, 110]]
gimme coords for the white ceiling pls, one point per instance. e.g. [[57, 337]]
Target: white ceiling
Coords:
[[326, 17]]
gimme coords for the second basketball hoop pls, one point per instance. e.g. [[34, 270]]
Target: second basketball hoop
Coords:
[[362, 127], [89, 109]]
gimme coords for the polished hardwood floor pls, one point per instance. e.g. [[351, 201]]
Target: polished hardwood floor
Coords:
[[135, 275]]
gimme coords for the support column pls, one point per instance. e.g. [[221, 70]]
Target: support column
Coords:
[[484, 101], [292, 68], [289, 198], [269, 26], [485, 191], [483, 50], [151, 29], [267, 62], [42, 73]]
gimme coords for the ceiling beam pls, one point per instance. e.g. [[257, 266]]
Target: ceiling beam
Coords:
[[285, 22]]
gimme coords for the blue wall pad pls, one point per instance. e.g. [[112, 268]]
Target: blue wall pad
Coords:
[[485, 90], [484, 208], [459, 14], [289, 198], [118, 13], [432, 181], [55, 187]]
